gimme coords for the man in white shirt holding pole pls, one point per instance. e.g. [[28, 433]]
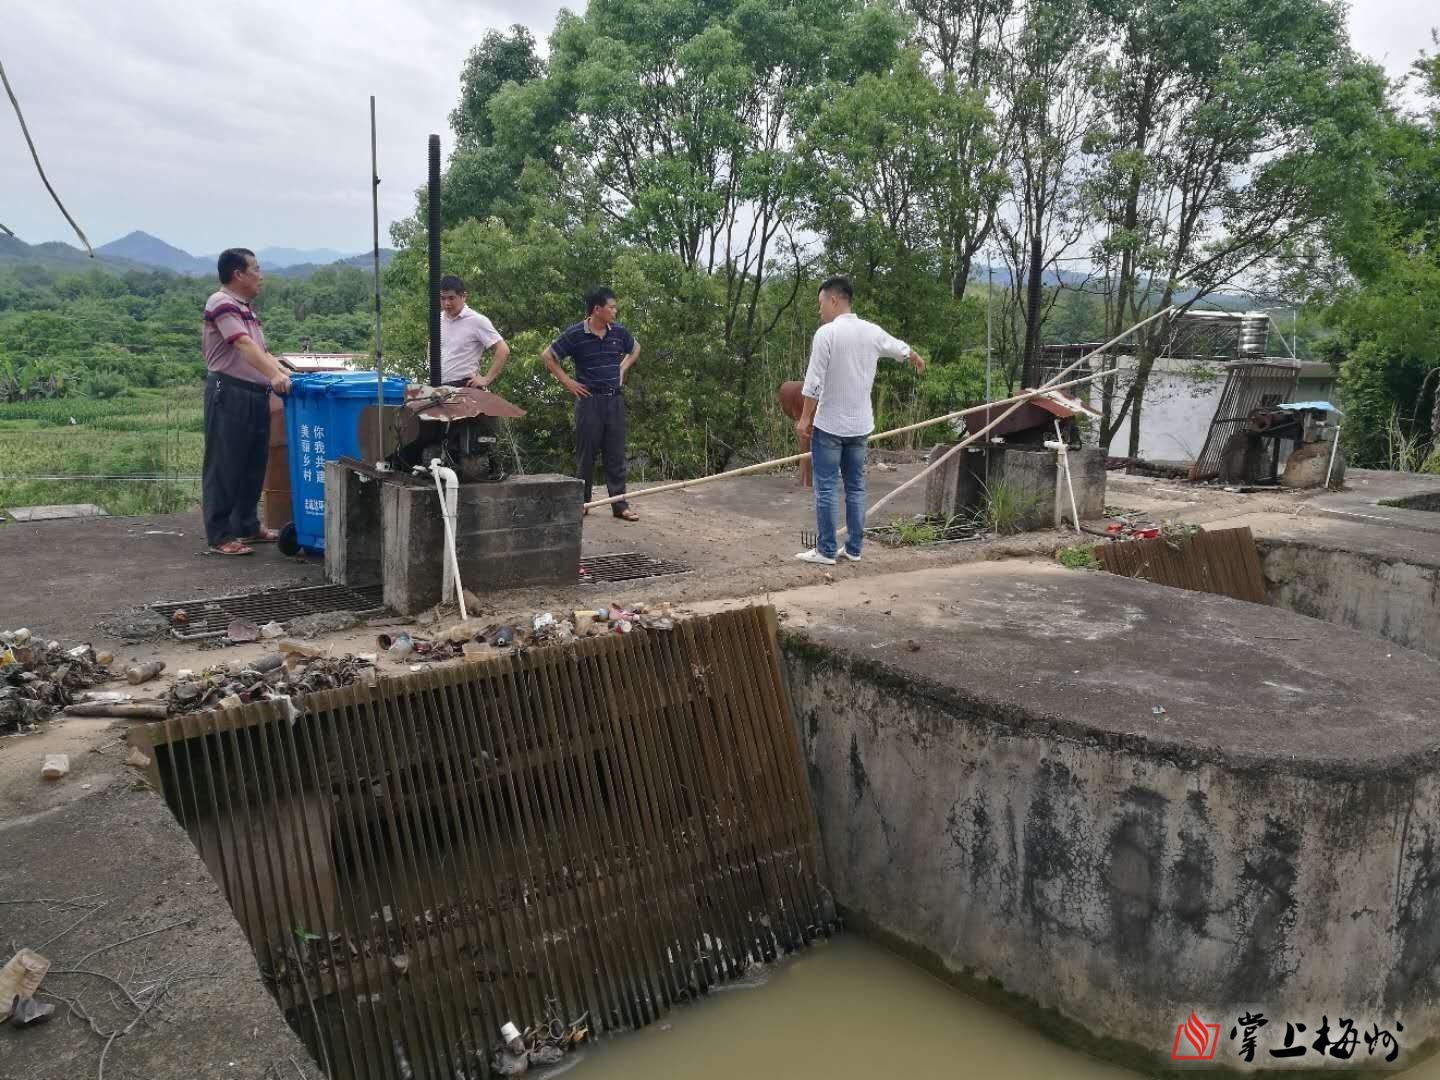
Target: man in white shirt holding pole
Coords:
[[837, 415]]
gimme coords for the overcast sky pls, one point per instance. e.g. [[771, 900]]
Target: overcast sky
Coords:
[[248, 124]]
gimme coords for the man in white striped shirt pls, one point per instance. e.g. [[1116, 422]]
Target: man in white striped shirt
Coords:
[[837, 415]]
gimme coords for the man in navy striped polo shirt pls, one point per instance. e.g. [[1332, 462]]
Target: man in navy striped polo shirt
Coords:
[[602, 351], [241, 376]]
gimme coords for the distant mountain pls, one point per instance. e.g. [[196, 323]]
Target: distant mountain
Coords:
[[58, 256], [982, 273], [979, 274], [362, 262], [276, 258], [141, 247]]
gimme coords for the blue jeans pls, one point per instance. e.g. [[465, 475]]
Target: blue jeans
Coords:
[[833, 457]]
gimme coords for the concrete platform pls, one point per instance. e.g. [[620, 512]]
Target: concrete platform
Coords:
[[1345, 557], [121, 847], [53, 513], [1000, 797], [740, 537]]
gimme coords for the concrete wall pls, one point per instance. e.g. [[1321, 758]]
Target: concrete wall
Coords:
[[1395, 600], [1103, 891], [522, 531], [1033, 476], [1180, 402]]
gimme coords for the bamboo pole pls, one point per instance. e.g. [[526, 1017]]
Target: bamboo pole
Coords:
[[1054, 384], [1015, 401], [778, 462]]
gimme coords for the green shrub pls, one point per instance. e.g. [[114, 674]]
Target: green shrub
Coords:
[[1078, 557]]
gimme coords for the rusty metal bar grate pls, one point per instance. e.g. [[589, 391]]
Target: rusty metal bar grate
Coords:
[[588, 835], [209, 617], [627, 566], [1248, 386], [1224, 562]]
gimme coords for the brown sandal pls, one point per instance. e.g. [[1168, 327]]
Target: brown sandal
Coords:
[[231, 547], [628, 515], [264, 536]]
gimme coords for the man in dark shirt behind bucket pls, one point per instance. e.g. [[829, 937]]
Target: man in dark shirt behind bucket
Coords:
[[602, 351], [241, 376]]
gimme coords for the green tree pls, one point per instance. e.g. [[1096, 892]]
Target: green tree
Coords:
[[1233, 130], [1387, 314]]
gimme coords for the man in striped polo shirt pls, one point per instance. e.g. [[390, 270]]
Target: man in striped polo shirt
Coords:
[[241, 377]]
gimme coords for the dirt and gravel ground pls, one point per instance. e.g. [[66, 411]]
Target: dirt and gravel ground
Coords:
[[98, 832]]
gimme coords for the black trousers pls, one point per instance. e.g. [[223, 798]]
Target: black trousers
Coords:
[[237, 444], [600, 430]]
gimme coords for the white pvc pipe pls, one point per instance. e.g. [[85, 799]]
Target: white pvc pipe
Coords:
[[1334, 449], [450, 509], [1063, 450]]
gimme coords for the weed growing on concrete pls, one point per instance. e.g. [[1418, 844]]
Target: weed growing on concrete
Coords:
[[1078, 557], [1005, 509]]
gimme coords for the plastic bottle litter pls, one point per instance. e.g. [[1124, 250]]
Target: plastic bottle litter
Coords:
[[139, 673], [56, 766], [511, 1034]]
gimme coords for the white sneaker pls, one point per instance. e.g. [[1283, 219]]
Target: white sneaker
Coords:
[[843, 554], [814, 556]]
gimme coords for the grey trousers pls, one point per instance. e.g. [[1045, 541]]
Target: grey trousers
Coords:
[[237, 445], [600, 430]]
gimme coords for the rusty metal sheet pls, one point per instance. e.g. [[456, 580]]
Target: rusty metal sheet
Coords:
[[1038, 412], [1224, 562], [451, 403]]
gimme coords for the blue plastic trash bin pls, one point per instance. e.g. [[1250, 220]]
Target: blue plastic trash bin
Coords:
[[322, 422]]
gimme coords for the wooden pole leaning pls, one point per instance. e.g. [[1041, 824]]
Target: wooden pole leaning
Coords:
[[1015, 401], [1053, 384]]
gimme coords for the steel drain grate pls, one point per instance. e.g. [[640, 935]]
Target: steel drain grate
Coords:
[[627, 566], [209, 617]]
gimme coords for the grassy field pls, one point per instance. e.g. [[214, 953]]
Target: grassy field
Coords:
[[130, 454]]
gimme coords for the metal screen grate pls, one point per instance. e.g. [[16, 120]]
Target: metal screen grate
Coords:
[[209, 617], [599, 830], [627, 566], [1248, 386]]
